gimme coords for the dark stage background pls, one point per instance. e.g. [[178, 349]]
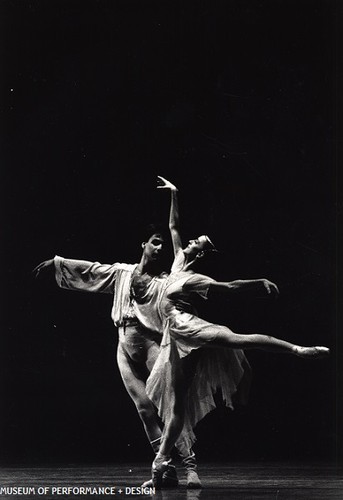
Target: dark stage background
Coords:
[[235, 102]]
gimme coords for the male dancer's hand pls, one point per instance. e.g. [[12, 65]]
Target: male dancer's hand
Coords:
[[185, 307], [44, 266]]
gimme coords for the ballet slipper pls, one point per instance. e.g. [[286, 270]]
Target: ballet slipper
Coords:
[[315, 352], [169, 479], [159, 467]]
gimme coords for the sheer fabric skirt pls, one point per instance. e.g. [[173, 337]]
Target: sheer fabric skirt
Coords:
[[226, 370]]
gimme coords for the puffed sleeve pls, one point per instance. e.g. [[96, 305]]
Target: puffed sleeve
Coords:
[[85, 276]]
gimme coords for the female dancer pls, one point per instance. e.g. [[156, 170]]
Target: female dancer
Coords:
[[185, 375]]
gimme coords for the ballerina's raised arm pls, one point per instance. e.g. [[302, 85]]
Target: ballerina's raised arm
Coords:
[[174, 226], [184, 258]]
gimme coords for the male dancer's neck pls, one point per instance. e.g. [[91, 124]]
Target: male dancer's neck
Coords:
[[148, 267]]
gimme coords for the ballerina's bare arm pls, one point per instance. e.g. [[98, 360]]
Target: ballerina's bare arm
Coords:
[[259, 285], [174, 227]]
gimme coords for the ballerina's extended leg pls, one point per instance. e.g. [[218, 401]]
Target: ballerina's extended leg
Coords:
[[226, 338]]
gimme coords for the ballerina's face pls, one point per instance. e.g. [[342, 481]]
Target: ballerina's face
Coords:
[[197, 245]]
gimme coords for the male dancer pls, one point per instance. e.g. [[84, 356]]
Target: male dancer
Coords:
[[138, 347]]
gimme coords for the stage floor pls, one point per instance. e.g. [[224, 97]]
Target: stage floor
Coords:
[[220, 481]]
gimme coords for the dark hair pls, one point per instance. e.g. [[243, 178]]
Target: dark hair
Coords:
[[151, 229]]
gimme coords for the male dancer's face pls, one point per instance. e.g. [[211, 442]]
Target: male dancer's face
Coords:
[[152, 249]]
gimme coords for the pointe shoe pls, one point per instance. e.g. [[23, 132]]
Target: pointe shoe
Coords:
[[169, 479], [312, 352], [157, 470]]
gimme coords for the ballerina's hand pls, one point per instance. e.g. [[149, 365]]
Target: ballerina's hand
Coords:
[[270, 287], [162, 183]]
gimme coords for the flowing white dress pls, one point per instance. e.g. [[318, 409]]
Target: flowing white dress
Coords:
[[216, 369]]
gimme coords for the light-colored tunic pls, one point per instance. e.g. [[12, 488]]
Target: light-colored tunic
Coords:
[[83, 275]]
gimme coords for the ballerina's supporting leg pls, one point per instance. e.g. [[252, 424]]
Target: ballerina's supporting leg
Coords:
[[226, 338], [183, 373], [172, 430]]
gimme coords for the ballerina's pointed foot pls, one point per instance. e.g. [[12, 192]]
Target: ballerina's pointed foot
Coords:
[[169, 479], [159, 467], [312, 352]]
